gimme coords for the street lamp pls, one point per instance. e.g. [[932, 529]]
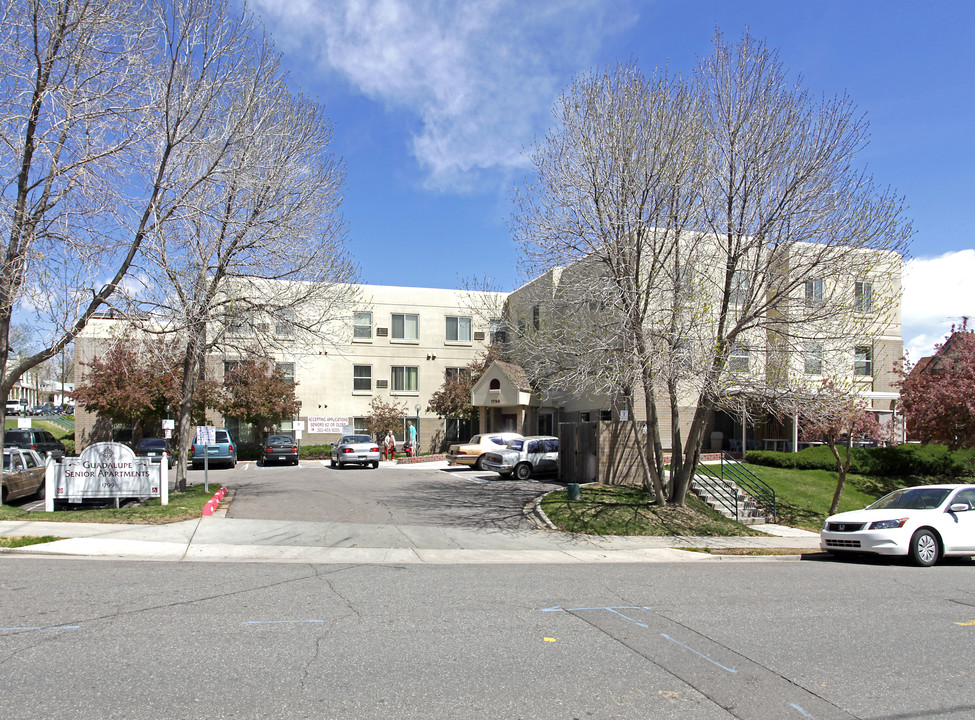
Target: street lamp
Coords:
[[416, 448]]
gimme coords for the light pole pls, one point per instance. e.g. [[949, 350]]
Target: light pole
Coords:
[[416, 445]]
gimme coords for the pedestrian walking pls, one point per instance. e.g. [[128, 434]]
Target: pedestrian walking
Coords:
[[389, 446]]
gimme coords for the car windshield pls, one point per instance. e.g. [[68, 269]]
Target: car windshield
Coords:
[[152, 443], [357, 439], [497, 440], [279, 440], [912, 499], [222, 436]]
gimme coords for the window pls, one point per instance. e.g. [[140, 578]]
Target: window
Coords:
[[288, 371], [495, 385], [740, 287], [814, 292], [362, 378], [535, 317], [362, 326], [284, 325], [863, 296], [458, 329], [605, 415], [359, 425], [406, 327], [499, 333], [456, 373], [404, 378], [863, 360], [738, 356], [812, 357]]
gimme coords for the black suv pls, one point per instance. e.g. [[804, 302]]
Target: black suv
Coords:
[[40, 440]]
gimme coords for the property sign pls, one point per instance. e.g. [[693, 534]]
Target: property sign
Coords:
[[327, 424], [206, 435], [106, 470]]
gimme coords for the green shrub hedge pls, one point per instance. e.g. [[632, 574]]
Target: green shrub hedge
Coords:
[[898, 460]]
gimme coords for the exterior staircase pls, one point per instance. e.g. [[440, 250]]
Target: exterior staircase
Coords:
[[733, 490]]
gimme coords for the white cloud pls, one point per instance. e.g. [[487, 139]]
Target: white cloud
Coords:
[[481, 75], [938, 293]]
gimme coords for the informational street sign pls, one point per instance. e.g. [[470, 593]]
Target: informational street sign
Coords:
[[299, 425], [168, 424], [326, 424], [206, 435]]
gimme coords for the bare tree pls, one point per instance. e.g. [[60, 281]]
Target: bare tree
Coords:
[[254, 260], [677, 227], [72, 103]]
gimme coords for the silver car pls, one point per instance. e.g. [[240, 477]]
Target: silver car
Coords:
[[525, 457], [355, 450]]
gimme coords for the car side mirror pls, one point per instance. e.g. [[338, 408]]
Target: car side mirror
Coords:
[[959, 507]]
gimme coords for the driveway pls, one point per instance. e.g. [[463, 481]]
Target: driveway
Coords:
[[394, 494]]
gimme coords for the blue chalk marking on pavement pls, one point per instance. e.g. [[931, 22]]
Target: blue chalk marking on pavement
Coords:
[[51, 627], [713, 662], [278, 622], [803, 712], [615, 610]]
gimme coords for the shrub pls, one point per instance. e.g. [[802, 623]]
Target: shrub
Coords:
[[898, 460], [315, 452], [68, 446]]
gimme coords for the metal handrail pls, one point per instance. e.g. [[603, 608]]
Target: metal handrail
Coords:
[[758, 489], [719, 491]]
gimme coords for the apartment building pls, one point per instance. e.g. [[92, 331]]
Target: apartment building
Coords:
[[397, 344]]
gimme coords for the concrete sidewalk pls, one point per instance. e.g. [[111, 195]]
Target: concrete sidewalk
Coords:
[[219, 538]]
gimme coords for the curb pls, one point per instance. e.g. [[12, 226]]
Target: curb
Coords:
[[214, 502]]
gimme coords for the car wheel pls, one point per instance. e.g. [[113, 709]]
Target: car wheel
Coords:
[[375, 464], [331, 462], [924, 548], [339, 463], [233, 462], [39, 495], [523, 471], [295, 462], [479, 463]]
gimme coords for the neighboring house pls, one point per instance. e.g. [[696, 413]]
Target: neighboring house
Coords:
[[940, 362]]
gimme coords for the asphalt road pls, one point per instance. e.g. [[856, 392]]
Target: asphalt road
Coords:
[[740, 639], [399, 495]]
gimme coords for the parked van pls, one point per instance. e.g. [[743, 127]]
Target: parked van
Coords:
[[29, 439]]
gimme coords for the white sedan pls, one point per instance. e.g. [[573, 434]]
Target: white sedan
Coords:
[[927, 523], [355, 450], [524, 457]]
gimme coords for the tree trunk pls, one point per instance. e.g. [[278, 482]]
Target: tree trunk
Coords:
[[191, 367], [841, 470]]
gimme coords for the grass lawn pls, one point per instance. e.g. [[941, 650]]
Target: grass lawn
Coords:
[[803, 497], [38, 424], [182, 506], [626, 510], [16, 541]]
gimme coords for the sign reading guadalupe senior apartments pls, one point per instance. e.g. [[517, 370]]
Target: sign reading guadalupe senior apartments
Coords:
[[106, 470]]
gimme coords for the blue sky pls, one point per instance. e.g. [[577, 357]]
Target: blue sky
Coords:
[[434, 103]]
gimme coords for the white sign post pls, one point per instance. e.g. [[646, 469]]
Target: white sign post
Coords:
[[206, 435]]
